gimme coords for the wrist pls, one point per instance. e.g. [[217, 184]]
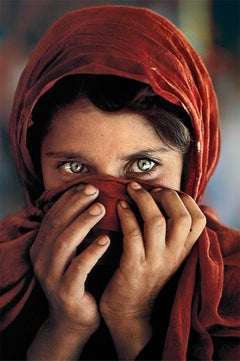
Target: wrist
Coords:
[[130, 335], [128, 323], [58, 341], [72, 329], [113, 317]]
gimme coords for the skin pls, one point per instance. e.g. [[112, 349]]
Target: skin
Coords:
[[84, 134]]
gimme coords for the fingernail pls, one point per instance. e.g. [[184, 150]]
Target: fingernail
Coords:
[[103, 240], [95, 210], [135, 185], [90, 190], [124, 205], [155, 190]]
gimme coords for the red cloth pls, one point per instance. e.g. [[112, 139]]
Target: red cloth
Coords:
[[111, 191], [17, 277], [138, 44]]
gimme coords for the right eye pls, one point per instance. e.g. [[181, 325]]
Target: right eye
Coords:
[[142, 165], [74, 167]]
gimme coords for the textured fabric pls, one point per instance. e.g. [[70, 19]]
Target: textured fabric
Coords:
[[129, 42], [138, 44]]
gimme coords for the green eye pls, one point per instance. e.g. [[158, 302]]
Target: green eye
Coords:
[[73, 167], [142, 165]]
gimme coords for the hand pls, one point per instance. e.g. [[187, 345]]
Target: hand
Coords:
[[152, 255], [61, 272]]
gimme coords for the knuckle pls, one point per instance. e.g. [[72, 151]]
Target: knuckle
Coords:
[[77, 266], [65, 298], [168, 195], [80, 266], [47, 218], [169, 192], [157, 222], [76, 198], [184, 219], [43, 273], [133, 233], [35, 261], [48, 282], [185, 196], [62, 243], [51, 219], [37, 269], [200, 219]]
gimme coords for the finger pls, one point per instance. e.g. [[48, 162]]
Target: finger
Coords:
[[179, 220], [154, 221], [133, 246], [66, 244], [81, 266], [63, 213], [68, 207], [198, 220]]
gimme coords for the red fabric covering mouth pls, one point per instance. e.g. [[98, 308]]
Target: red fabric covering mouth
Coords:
[[17, 278], [111, 191]]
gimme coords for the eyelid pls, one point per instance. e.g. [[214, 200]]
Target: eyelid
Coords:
[[142, 173], [128, 172], [63, 164]]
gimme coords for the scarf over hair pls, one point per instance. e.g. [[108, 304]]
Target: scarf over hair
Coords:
[[139, 44]]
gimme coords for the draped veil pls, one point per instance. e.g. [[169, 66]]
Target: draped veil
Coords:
[[139, 44]]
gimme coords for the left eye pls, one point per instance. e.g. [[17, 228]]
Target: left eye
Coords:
[[73, 167], [142, 165]]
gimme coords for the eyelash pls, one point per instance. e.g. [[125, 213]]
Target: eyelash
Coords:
[[156, 164], [68, 165], [147, 172]]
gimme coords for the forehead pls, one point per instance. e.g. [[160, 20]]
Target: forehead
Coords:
[[84, 129], [84, 119]]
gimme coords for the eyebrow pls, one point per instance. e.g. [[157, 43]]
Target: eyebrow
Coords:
[[64, 155], [143, 153]]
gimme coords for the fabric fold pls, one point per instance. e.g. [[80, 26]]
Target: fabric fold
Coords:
[[141, 45], [18, 234]]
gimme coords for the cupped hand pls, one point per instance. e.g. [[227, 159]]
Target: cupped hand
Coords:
[[152, 252], [61, 272]]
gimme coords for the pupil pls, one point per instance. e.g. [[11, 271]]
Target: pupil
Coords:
[[144, 164], [75, 167]]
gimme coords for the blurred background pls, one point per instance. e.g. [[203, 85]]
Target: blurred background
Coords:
[[212, 26]]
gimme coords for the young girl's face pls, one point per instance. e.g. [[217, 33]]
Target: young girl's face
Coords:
[[83, 140]]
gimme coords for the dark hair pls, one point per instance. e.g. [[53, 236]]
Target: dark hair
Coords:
[[110, 93]]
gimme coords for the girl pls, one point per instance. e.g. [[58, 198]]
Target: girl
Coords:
[[115, 133]]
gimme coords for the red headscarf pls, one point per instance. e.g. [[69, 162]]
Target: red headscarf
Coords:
[[139, 44]]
